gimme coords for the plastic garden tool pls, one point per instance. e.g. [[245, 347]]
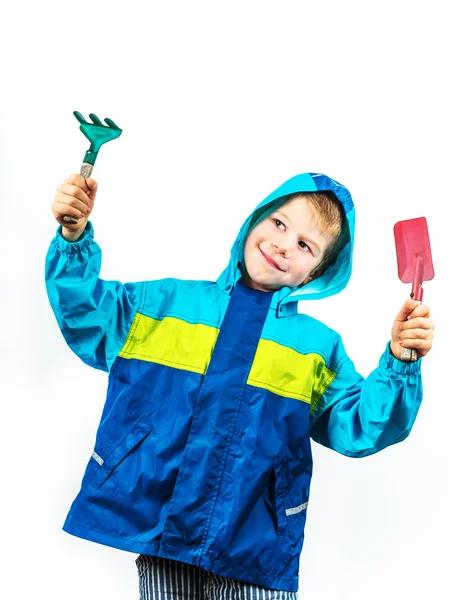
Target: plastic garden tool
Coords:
[[415, 264], [98, 134]]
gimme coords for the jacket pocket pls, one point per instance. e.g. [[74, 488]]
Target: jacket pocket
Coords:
[[280, 495], [291, 500], [107, 464]]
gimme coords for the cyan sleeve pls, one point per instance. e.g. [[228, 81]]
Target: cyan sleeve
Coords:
[[357, 416], [94, 315]]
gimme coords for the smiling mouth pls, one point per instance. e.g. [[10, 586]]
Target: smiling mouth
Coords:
[[269, 260]]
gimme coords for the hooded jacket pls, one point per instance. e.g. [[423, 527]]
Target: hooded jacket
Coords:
[[203, 452]]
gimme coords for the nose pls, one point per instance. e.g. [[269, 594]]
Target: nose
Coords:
[[280, 248]]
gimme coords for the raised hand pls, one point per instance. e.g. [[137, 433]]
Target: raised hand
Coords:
[[412, 328], [75, 197]]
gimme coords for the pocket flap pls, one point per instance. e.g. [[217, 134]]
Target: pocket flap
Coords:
[[106, 464]]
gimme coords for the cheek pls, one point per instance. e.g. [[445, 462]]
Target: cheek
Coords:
[[250, 244], [306, 263], [248, 247]]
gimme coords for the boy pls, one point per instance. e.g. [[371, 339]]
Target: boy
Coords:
[[202, 461]]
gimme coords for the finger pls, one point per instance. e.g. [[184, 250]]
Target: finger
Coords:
[[422, 310], [417, 323], [411, 334], [417, 344], [75, 192], [92, 185], [71, 201], [406, 310], [77, 179], [67, 200], [61, 209]]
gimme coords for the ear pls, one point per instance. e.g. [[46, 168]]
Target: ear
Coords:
[[311, 277], [308, 279]]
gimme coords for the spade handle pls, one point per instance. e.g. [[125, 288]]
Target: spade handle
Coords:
[[411, 354], [417, 290]]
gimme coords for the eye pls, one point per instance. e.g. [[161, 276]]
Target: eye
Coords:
[[304, 246], [278, 223]]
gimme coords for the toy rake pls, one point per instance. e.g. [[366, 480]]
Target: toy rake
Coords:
[[98, 134]]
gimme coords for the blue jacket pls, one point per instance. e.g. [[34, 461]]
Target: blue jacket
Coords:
[[203, 453]]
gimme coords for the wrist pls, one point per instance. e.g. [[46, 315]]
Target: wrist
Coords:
[[72, 235], [393, 350]]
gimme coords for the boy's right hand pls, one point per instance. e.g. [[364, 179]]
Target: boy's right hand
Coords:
[[75, 197]]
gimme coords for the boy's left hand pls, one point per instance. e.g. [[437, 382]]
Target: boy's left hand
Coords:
[[412, 328]]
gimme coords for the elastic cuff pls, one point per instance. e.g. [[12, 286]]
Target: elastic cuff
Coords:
[[398, 366], [74, 247]]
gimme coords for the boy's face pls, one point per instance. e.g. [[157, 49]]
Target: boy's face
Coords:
[[284, 248]]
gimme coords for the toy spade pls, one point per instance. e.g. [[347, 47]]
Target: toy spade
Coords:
[[415, 264], [98, 134]]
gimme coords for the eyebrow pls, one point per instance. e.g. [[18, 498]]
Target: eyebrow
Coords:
[[285, 216]]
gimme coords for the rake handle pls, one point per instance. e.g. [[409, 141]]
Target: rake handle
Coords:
[[85, 170]]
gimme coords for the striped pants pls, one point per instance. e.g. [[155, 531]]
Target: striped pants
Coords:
[[163, 579]]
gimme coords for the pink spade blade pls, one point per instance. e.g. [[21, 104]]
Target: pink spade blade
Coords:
[[413, 254]]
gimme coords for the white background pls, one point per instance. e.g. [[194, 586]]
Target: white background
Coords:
[[220, 102]]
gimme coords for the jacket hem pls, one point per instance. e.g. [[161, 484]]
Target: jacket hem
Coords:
[[216, 566], [107, 539]]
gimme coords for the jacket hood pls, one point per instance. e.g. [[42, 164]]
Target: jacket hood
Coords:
[[336, 276]]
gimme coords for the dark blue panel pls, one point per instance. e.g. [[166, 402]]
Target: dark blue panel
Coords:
[[214, 419]]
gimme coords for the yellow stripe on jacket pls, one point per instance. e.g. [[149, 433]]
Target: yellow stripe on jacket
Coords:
[[171, 342], [289, 373]]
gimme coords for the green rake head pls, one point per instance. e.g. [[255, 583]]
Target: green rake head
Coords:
[[97, 133]]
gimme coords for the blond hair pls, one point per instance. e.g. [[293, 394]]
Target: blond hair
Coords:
[[331, 220], [328, 211]]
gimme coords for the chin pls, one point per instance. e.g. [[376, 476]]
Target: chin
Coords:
[[267, 285]]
